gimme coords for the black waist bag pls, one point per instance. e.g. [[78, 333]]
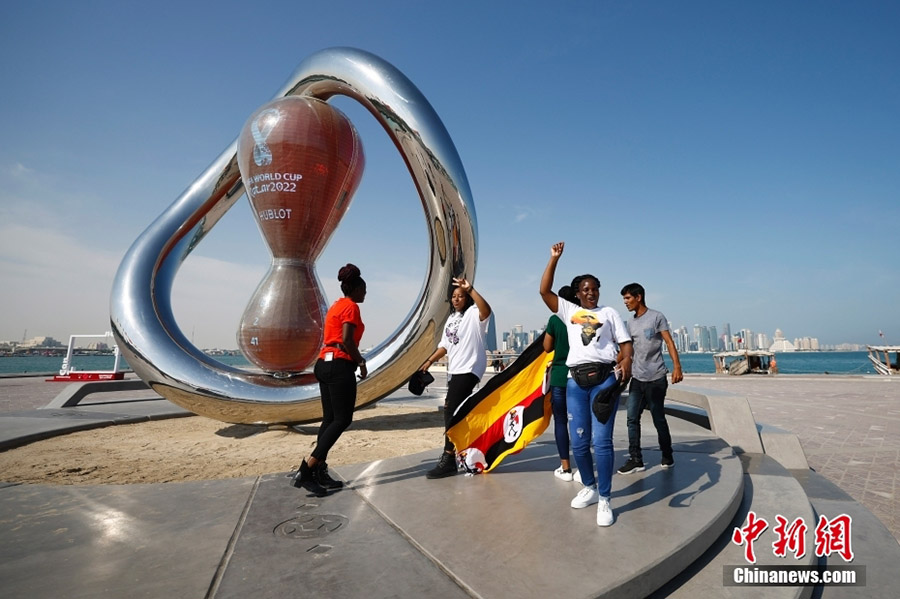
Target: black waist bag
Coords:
[[590, 374]]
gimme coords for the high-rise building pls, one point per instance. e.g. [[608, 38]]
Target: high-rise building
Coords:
[[681, 339], [749, 339], [490, 342], [703, 342], [807, 343], [713, 339], [726, 337], [781, 344]]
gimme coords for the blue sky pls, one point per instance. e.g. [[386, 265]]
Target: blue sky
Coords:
[[740, 160]]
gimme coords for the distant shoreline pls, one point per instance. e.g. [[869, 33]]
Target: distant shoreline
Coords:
[[789, 363]]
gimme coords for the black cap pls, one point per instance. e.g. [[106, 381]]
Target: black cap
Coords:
[[419, 380]]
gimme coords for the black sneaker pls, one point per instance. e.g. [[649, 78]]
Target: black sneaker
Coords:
[[446, 466], [632, 466], [667, 462], [304, 479], [321, 476]]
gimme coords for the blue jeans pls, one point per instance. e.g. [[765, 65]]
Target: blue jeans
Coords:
[[651, 395], [586, 431], [560, 421]]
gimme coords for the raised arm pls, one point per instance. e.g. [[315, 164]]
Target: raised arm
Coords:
[[550, 298], [484, 309]]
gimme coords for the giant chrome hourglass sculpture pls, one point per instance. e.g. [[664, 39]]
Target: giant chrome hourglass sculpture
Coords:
[[300, 160], [141, 314]]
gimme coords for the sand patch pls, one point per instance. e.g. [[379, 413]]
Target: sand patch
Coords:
[[198, 448]]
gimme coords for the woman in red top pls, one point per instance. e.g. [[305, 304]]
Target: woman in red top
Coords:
[[336, 372]]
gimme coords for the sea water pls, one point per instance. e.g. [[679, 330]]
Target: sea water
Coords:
[[830, 362], [52, 364], [826, 362]]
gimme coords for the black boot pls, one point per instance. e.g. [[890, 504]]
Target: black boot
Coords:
[[321, 476], [304, 478], [446, 466]]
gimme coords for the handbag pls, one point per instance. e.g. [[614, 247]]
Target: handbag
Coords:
[[590, 374]]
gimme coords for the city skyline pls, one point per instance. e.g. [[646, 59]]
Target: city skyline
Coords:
[[497, 342], [518, 337], [737, 160]]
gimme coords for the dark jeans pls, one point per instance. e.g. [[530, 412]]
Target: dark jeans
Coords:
[[337, 385], [560, 421], [648, 395], [459, 387]]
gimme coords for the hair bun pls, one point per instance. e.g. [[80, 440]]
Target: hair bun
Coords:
[[350, 271]]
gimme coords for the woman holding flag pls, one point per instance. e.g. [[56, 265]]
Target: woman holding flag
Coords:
[[599, 361], [463, 344]]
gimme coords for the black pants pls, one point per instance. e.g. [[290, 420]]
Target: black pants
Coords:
[[651, 395], [459, 387], [337, 385]]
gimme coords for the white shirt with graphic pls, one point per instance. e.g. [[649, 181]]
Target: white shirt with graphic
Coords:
[[463, 338], [594, 335]]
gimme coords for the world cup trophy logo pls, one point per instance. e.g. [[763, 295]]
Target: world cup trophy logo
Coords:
[[300, 160]]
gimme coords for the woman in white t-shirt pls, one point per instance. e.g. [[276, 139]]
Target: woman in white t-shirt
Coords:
[[463, 343], [598, 341]]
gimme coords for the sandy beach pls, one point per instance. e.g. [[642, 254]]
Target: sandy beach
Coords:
[[197, 448]]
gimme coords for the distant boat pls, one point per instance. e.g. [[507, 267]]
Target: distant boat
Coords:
[[745, 362], [880, 357]]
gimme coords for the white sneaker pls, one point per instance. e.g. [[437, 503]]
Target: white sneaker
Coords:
[[576, 476], [604, 512], [562, 474], [587, 496]]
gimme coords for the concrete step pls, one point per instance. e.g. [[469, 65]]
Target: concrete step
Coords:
[[769, 490], [491, 533], [873, 546]]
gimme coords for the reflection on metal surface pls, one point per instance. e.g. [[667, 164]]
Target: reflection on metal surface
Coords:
[[140, 306], [301, 160]]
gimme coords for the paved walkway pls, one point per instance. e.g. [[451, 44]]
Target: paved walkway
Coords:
[[383, 523], [389, 533], [849, 427]]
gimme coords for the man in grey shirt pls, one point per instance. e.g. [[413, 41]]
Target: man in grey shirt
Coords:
[[648, 330]]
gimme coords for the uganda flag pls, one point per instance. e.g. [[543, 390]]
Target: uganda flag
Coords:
[[506, 414]]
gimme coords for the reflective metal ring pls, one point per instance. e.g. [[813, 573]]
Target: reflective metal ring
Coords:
[[140, 306]]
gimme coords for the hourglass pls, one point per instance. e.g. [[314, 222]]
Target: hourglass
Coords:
[[301, 160]]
